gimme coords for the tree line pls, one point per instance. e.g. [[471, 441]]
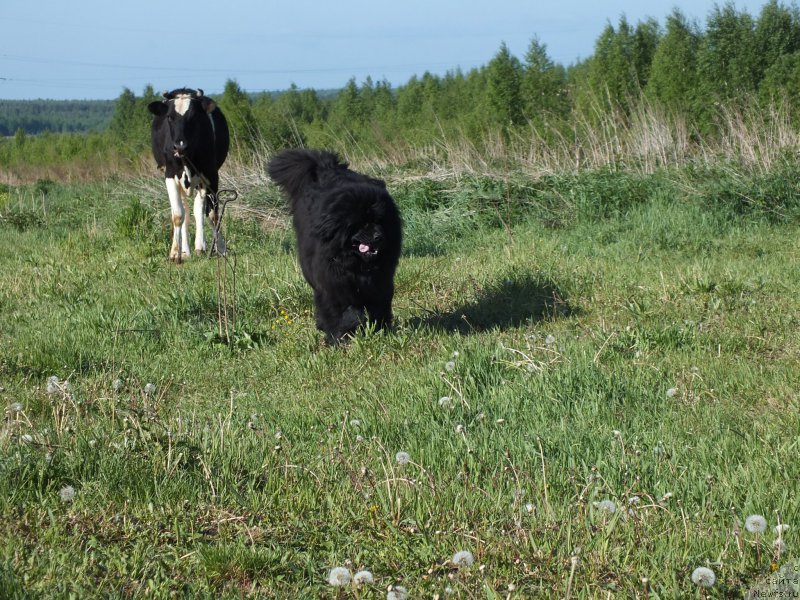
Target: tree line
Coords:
[[688, 70], [57, 116]]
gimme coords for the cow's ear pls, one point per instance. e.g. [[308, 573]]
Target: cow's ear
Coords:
[[158, 108], [208, 104]]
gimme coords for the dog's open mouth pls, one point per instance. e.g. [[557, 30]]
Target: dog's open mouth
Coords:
[[367, 250]]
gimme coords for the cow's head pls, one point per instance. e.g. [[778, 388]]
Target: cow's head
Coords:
[[186, 114]]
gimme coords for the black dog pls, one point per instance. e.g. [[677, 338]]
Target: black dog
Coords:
[[348, 238]]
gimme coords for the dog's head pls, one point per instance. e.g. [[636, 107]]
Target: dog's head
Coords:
[[364, 224]]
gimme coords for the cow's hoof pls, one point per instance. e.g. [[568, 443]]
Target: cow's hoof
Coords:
[[179, 258]]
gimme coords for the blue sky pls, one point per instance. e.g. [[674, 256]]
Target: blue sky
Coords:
[[93, 49]]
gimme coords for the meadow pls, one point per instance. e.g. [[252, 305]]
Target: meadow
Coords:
[[592, 383]]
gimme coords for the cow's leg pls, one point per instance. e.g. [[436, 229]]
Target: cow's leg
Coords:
[[180, 227], [199, 212]]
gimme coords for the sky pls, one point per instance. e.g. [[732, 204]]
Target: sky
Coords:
[[94, 49]]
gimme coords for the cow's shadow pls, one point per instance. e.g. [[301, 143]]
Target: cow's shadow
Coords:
[[504, 304]]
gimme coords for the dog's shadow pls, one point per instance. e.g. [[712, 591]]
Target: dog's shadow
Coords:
[[504, 304]]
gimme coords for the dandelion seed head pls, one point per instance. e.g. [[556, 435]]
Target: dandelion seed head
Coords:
[[150, 389], [463, 558], [454, 355], [359, 438], [529, 507], [672, 392], [52, 384], [117, 384], [550, 340], [363, 578], [459, 428], [67, 493], [339, 576], [445, 402], [402, 458], [704, 577], [14, 408], [781, 529], [606, 506], [755, 524], [779, 546], [449, 365], [398, 592]]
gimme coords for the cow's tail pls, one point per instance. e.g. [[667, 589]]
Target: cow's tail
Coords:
[[294, 170]]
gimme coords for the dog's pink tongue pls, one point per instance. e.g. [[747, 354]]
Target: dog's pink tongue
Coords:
[[363, 248]]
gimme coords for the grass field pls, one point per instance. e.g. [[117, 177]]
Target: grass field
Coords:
[[592, 382]]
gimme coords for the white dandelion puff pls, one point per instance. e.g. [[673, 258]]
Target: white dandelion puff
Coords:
[[398, 592], [67, 493], [359, 438], [459, 428], [14, 408], [755, 524], [672, 392], [339, 576], [363, 578], [463, 558], [550, 340], [781, 529], [53, 384], [150, 389], [454, 355], [529, 507], [606, 506], [704, 577], [779, 546], [117, 384], [449, 365], [445, 402], [402, 458]]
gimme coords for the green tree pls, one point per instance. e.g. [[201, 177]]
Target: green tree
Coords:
[[673, 77], [777, 34], [728, 58], [543, 85], [504, 88], [238, 110]]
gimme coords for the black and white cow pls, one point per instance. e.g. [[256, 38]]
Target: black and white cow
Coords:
[[190, 142]]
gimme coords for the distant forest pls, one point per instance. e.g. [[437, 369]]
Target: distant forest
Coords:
[[57, 116], [691, 76]]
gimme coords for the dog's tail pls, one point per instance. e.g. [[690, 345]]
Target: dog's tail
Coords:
[[293, 170]]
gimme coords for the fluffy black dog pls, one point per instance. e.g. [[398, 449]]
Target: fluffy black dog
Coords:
[[348, 238]]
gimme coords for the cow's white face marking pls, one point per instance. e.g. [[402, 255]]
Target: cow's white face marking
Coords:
[[182, 103]]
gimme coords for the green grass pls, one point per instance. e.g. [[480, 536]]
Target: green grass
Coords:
[[616, 335]]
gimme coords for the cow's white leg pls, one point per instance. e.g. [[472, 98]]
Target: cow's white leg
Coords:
[[199, 214], [180, 228]]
